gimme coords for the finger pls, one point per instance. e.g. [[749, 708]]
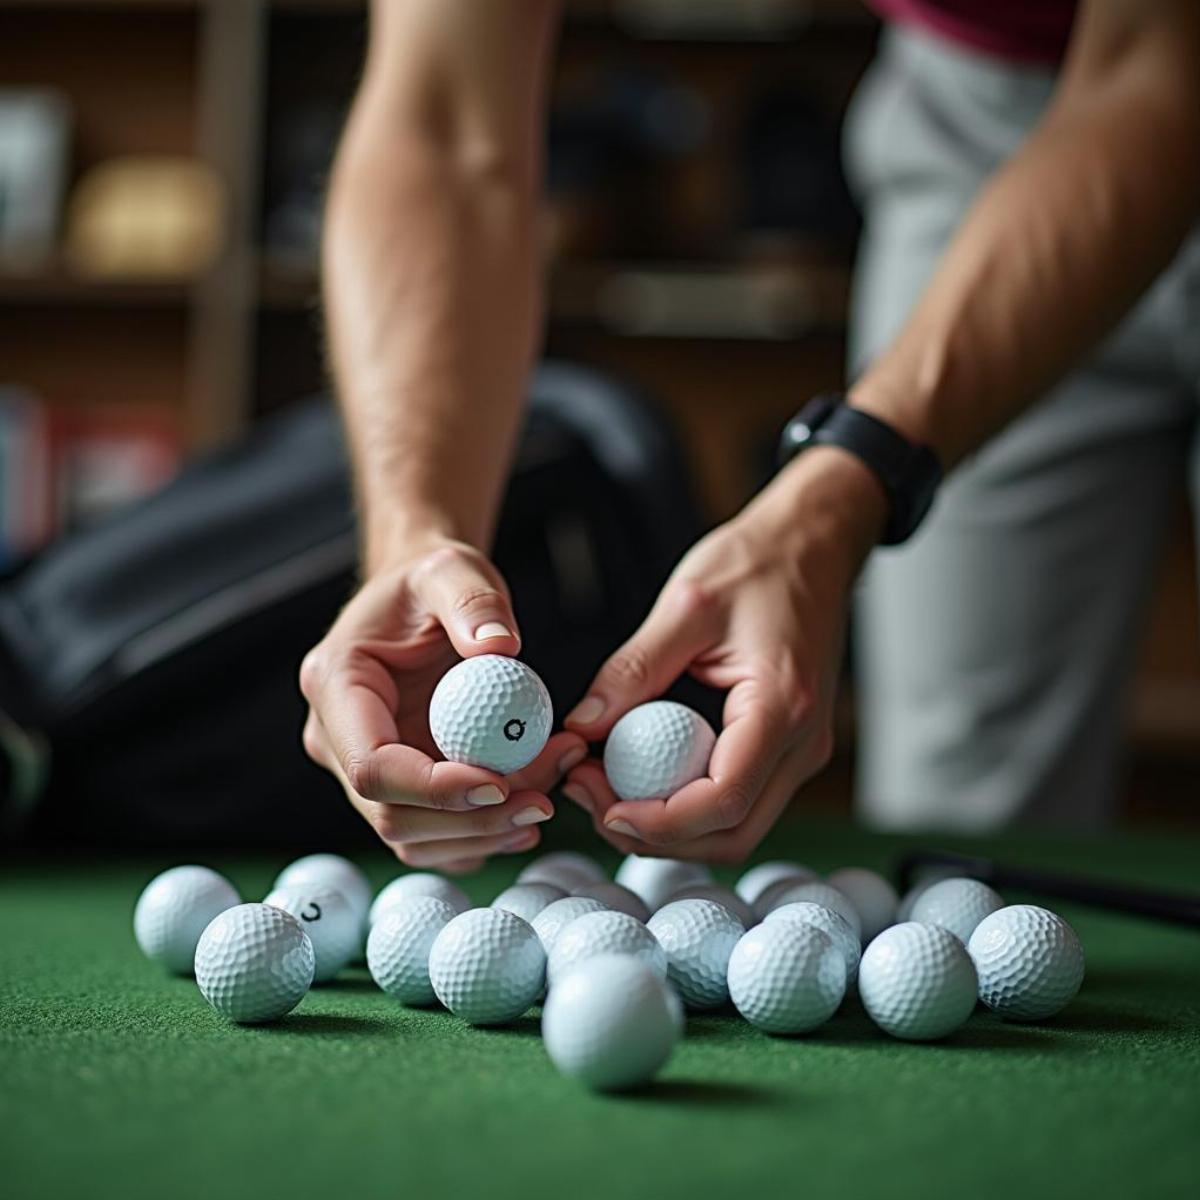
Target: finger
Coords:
[[438, 854], [398, 824], [467, 595], [587, 787], [754, 738], [562, 752], [392, 773], [677, 630]]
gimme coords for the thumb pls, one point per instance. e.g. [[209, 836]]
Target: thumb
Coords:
[[467, 595], [671, 637]]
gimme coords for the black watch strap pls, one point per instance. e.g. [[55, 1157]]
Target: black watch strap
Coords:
[[910, 474]]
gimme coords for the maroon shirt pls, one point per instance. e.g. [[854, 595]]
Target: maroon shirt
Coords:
[[1021, 30]]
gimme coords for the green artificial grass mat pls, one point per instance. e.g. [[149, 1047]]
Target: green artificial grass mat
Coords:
[[117, 1080]]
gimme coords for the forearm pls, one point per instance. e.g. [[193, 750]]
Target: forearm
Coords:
[[431, 300], [1056, 249], [431, 263]]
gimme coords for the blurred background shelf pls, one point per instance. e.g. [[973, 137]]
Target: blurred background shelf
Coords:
[[698, 232]]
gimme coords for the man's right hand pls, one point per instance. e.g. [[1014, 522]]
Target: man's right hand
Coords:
[[368, 684]]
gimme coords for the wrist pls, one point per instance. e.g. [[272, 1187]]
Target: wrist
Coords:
[[826, 501], [407, 533]]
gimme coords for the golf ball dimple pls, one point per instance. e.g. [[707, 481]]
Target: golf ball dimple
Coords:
[[332, 870], [399, 945], [554, 918], [1029, 961], [603, 933], [917, 982], [611, 1022], [173, 911], [526, 900], [492, 712], [873, 897], [786, 977], [418, 883], [831, 923], [616, 897], [698, 937], [755, 881], [814, 892], [719, 894], [332, 922], [254, 963], [657, 748], [487, 966], [655, 879], [957, 905]]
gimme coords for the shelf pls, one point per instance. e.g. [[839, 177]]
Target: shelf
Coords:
[[63, 289]]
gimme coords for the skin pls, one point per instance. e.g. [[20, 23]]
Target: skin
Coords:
[[434, 315]]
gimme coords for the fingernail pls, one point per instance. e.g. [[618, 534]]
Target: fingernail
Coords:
[[578, 795], [492, 629], [485, 793], [521, 842], [622, 827], [572, 758], [587, 710], [530, 816]]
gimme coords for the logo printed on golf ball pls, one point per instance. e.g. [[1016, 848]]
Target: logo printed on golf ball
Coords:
[[492, 712]]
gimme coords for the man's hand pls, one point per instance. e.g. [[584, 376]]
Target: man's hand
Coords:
[[757, 609], [368, 684]]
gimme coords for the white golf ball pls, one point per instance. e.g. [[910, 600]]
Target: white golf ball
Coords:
[[917, 982], [526, 900], [418, 883], [616, 897], [1029, 962], [698, 937], [491, 712], [905, 907], [719, 894], [566, 869], [656, 879], [831, 923], [873, 897], [603, 933], [957, 905], [611, 1022], [755, 881], [657, 748], [554, 918], [816, 893], [333, 924], [487, 966], [332, 870], [399, 945], [175, 909], [254, 963], [786, 977]]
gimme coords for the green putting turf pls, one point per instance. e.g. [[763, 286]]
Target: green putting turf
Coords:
[[116, 1080]]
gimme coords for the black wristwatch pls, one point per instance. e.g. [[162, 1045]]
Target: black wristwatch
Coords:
[[910, 474]]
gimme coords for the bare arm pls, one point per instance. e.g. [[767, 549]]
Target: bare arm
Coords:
[[430, 261], [432, 298], [1056, 249], [1064, 239]]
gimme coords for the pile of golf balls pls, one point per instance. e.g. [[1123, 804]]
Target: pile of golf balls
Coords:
[[491, 712], [616, 963]]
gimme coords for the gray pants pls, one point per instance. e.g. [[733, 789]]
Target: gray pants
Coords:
[[995, 649]]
